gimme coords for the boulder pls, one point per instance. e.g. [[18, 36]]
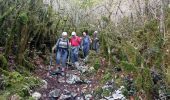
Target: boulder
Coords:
[[36, 95]]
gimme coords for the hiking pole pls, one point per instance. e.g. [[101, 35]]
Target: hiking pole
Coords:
[[51, 59]]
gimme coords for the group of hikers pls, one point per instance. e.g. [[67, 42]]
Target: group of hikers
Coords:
[[69, 48]]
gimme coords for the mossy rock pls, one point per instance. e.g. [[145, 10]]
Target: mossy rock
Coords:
[[20, 84], [3, 62]]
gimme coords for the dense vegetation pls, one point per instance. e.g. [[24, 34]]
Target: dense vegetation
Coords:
[[135, 43]]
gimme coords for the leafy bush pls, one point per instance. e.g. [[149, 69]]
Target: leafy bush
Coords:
[[3, 62], [151, 25], [128, 67], [17, 83], [23, 18]]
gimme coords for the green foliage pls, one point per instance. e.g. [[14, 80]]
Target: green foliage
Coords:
[[144, 80], [97, 64], [23, 18], [16, 83], [104, 18], [106, 92], [3, 62], [151, 25], [107, 76], [98, 91], [128, 67]]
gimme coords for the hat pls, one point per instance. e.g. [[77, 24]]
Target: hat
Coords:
[[73, 33], [64, 33], [95, 32]]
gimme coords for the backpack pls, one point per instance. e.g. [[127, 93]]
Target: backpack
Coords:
[[60, 39]]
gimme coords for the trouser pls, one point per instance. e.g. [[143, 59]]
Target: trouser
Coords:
[[74, 54], [96, 46], [61, 56], [86, 50]]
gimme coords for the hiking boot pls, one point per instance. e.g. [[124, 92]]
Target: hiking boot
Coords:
[[63, 71]]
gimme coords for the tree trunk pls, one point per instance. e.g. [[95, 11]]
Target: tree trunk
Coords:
[[162, 24], [22, 44]]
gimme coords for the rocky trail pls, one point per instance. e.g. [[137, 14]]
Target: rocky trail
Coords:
[[75, 85]]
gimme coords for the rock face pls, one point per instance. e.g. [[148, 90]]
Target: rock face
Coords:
[[36, 95]]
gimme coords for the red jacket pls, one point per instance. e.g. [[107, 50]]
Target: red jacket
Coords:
[[75, 41]]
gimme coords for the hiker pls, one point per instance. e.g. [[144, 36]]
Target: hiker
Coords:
[[61, 47], [75, 45], [85, 44], [95, 42]]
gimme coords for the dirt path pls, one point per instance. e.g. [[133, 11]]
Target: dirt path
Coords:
[[59, 82]]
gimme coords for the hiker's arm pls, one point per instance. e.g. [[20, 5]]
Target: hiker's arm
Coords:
[[90, 40], [53, 48]]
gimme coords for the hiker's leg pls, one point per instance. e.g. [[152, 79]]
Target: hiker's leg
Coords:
[[97, 47], [86, 48], [64, 58], [58, 56], [72, 55], [76, 53]]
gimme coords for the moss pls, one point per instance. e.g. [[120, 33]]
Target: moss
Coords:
[[3, 62], [15, 83]]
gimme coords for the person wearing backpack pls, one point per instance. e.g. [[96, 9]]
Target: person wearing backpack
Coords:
[[95, 42], [62, 47], [85, 45], [75, 45]]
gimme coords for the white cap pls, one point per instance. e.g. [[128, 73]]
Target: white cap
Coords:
[[64, 33], [95, 32], [73, 33]]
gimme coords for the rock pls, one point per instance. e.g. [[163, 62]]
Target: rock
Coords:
[[76, 64], [79, 98], [45, 84], [81, 68], [118, 94], [61, 80], [88, 97], [36, 95], [73, 79], [15, 97], [55, 93], [67, 95]]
